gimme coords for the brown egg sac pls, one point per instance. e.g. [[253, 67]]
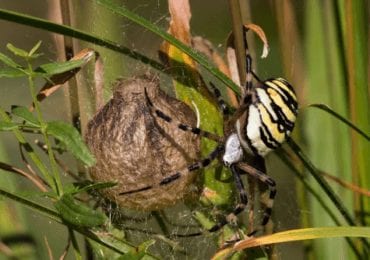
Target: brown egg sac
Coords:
[[136, 149]]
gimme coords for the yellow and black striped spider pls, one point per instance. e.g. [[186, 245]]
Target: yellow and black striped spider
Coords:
[[264, 120]]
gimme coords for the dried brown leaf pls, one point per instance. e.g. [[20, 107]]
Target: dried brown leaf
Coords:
[[180, 20], [204, 46], [261, 34], [34, 179], [56, 81]]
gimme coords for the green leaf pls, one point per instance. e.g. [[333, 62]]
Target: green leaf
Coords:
[[8, 61], [25, 114], [139, 252], [7, 126], [72, 139], [132, 255], [34, 49], [59, 67], [17, 51], [78, 214], [144, 246], [11, 73], [95, 186]]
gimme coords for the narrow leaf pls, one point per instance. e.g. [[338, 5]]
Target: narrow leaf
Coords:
[[7, 126], [25, 114], [35, 48], [55, 216], [8, 61], [72, 139], [59, 67], [11, 73], [17, 51], [132, 255], [139, 252]]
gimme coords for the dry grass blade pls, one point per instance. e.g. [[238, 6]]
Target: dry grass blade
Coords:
[[232, 60], [65, 251], [180, 20], [180, 29], [294, 235], [50, 252], [347, 185], [4, 249], [303, 234], [34, 179]]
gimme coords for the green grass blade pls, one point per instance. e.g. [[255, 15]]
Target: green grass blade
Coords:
[[78, 34], [341, 118], [326, 187], [322, 182], [55, 216], [34, 206], [309, 187], [8, 61], [328, 140], [356, 22]]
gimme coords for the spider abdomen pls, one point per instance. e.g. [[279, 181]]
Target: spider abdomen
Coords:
[[270, 117]]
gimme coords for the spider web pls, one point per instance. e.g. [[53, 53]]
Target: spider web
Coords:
[[178, 220]]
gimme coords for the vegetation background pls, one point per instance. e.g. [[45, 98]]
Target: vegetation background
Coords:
[[320, 46]]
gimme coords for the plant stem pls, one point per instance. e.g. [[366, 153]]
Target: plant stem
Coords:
[[34, 157], [58, 185]]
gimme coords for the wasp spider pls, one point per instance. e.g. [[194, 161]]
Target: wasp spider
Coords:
[[264, 120]]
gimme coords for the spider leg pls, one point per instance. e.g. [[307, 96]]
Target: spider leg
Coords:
[[264, 178], [243, 201], [184, 127], [248, 57], [177, 175], [221, 103]]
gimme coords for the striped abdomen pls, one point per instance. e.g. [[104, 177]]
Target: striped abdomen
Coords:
[[270, 117]]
